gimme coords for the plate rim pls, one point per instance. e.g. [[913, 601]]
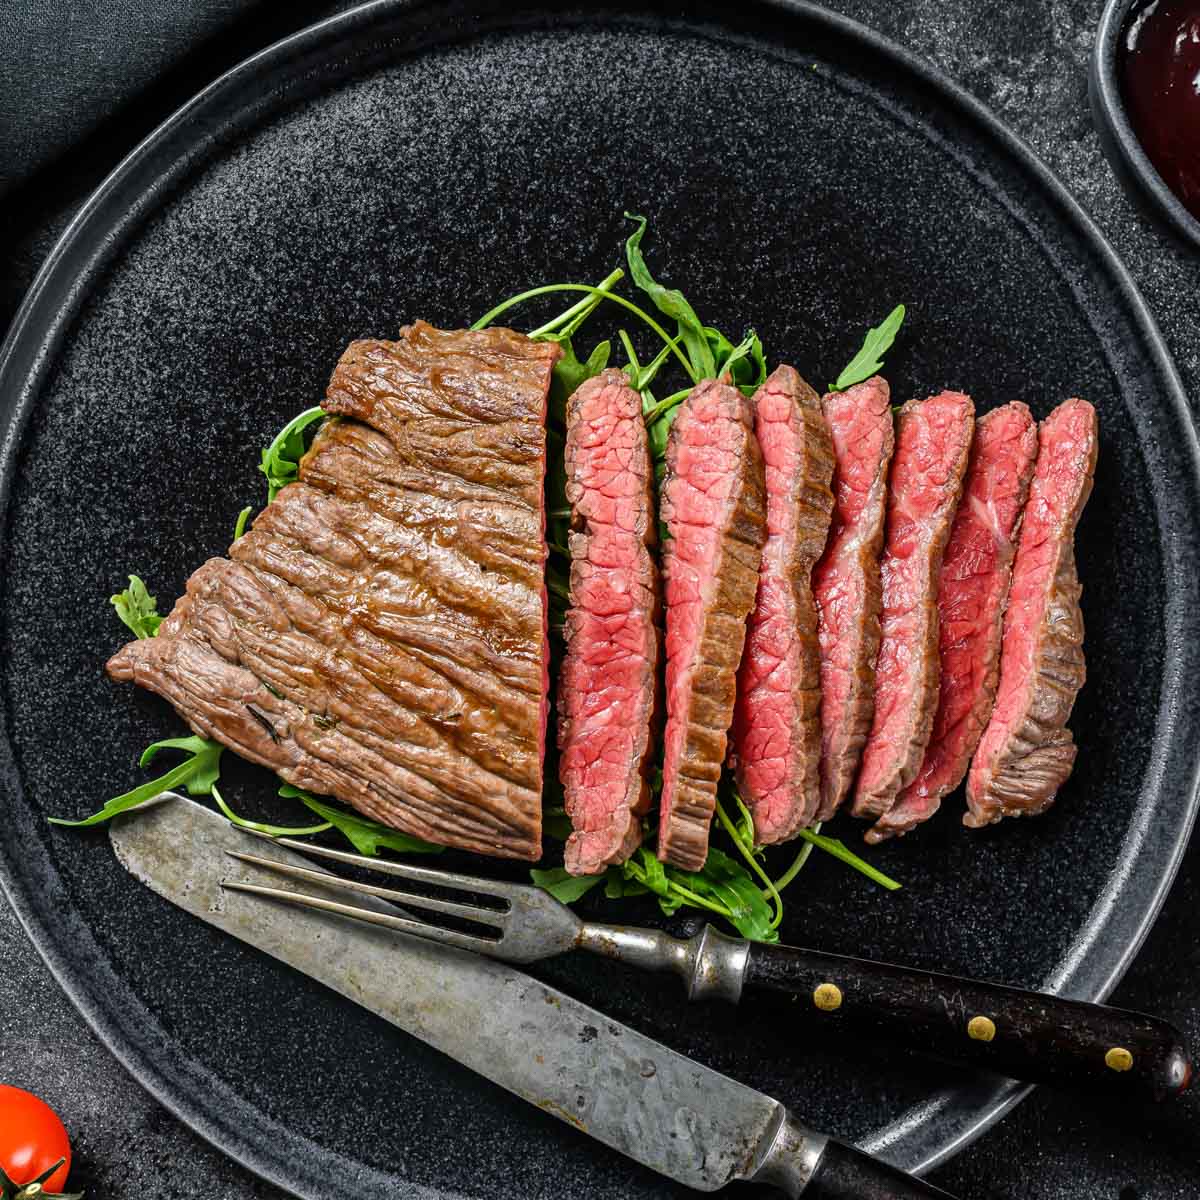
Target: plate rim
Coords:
[[64, 280]]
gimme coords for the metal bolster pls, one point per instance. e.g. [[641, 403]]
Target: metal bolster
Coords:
[[718, 966], [792, 1157]]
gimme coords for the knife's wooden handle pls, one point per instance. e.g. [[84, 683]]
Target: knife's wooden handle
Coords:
[[844, 1173], [1025, 1035]]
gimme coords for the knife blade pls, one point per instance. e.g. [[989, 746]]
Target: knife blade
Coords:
[[658, 1107]]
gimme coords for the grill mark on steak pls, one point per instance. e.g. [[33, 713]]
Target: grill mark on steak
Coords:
[[385, 615], [609, 678], [713, 503], [1027, 752], [846, 584], [777, 718], [933, 442], [972, 594]]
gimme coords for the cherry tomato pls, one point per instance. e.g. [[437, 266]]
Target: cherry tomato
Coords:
[[32, 1139]]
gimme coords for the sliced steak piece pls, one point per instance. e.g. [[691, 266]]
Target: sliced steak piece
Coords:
[[777, 720], [846, 580], [1026, 752], [714, 506], [380, 633], [972, 593], [933, 442], [608, 681]]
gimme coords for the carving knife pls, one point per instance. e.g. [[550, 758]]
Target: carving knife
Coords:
[[660, 1108]]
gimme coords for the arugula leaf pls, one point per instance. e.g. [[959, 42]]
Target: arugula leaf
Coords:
[[569, 373], [206, 765], [242, 517], [281, 459], [875, 345], [593, 298], [643, 867], [365, 835], [744, 826], [618, 887], [745, 364], [838, 849], [199, 773], [564, 887], [556, 824], [671, 303], [137, 608], [272, 830], [727, 881]]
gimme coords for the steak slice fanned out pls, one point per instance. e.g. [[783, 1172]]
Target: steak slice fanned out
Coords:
[[1027, 752], [607, 685], [777, 720], [933, 442], [714, 507], [380, 633], [846, 580], [972, 593]]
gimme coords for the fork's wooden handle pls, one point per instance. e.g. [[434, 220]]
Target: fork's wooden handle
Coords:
[[1025, 1035]]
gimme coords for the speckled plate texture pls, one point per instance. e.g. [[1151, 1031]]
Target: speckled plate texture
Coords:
[[424, 160]]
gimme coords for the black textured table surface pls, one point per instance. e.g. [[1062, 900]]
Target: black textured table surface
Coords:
[[76, 93]]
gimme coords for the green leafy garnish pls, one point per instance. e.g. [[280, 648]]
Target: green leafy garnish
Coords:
[[671, 303], [198, 774], [875, 345], [564, 887], [569, 372], [727, 881], [260, 827], [722, 887], [745, 364], [366, 836], [137, 608], [556, 824], [838, 849], [242, 518], [281, 459]]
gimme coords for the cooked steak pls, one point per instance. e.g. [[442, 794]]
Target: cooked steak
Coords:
[[777, 720], [972, 593], [379, 634], [846, 580], [933, 442], [714, 506], [1026, 752], [608, 681]]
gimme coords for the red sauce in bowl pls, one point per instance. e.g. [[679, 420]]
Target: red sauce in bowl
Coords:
[[1160, 80]]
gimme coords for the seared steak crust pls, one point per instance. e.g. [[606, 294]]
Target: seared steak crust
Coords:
[[1027, 752], [932, 444], [379, 634], [972, 593], [846, 583], [777, 721], [608, 682], [714, 506]]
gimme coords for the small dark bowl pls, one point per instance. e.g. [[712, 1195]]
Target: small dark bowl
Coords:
[[1135, 171]]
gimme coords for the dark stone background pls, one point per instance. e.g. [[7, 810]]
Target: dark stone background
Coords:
[[82, 83]]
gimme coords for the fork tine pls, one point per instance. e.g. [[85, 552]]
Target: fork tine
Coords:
[[432, 933], [470, 912], [403, 870]]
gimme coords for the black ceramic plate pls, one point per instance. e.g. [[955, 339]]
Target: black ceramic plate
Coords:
[[424, 160]]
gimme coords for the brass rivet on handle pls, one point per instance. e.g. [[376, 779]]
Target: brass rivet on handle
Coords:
[[827, 997], [1118, 1059], [981, 1029]]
